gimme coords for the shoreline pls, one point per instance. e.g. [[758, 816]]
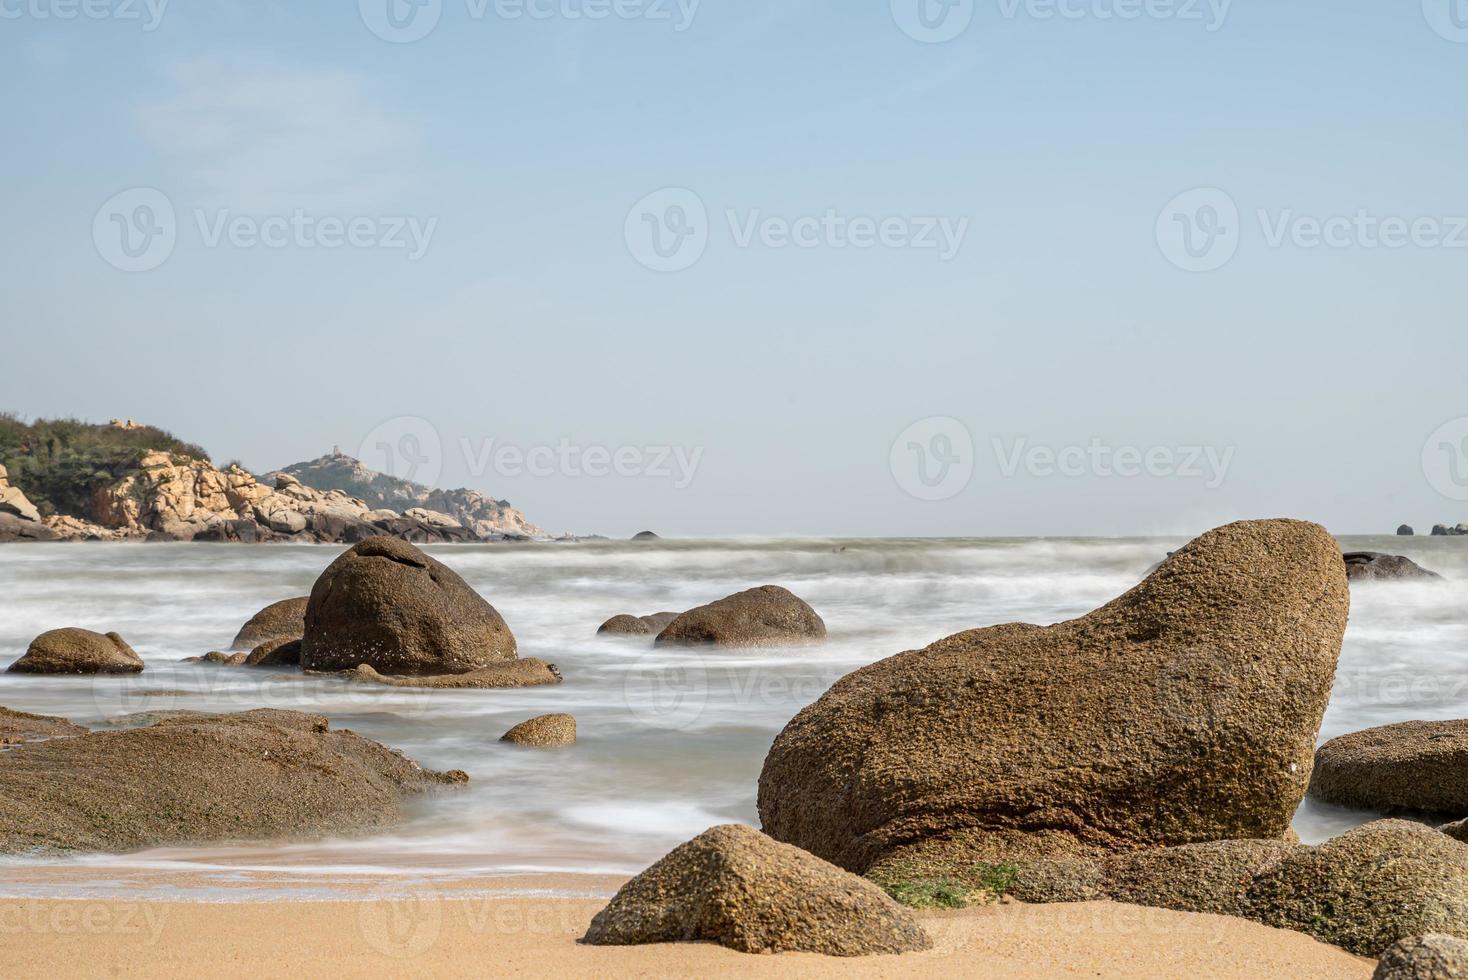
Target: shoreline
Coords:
[[441, 935]]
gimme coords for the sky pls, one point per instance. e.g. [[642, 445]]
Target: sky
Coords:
[[812, 267]]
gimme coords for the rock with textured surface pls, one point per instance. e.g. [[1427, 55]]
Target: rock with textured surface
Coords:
[[734, 886], [279, 652], [547, 731], [219, 658], [15, 529], [285, 619], [1368, 888], [628, 625], [78, 651], [1212, 877], [1185, 711], [766, 616], [193, 778], [1457, 831], [1430, 957], [1414, 766], [386, 604], [526, 672], [17, 727], [1374, 566]]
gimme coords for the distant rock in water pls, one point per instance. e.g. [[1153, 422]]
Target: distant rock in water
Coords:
[[193, 778], [285, 619], [1453, 531], [386, 604], [1414, 766], [1405, 531], [78, 651], [766, 616], [1181, 712], [1374, 566], [547, 731], [646, 536], [734, 886], [625, 625], [486, 517]]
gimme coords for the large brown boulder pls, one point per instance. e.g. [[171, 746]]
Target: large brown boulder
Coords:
[[1413, 766], [1430, 957], [766, 616], [283, 620], [78, 651], [1368, 888], [386, 604], [191, 777], [1185, 711], [734, 886]]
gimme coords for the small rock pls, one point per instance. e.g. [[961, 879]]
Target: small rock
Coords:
[[637, 625], [1430, 957], [1405, 531], [285, 619], [734, 886], [275, 653], [78, 651], [646, 536], [547, 731], [219, 659]]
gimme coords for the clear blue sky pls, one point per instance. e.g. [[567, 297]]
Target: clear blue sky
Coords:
[[530, 320]]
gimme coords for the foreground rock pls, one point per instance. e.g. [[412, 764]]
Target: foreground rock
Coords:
[[637, 625], [547, 731], [18, 726], [1184, 711], [193, 778], [1372, 565], [766, 616], [511, 674], [387, 605], [78, 651], [283, 620], [736, 887], [1431, 957], [1415, 766]]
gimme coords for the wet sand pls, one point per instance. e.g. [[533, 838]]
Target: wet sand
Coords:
[[441, 933]]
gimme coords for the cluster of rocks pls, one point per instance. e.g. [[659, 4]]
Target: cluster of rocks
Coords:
[[1449, 531], [1374, 566], [767, 616], [179, 498]]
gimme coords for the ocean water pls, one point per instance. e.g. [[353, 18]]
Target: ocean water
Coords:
[[670, 743]]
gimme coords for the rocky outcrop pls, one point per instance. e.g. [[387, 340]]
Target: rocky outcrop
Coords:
[[766, 616], [484, 517], [738, 888], [1430, 957], [1405, 531], [193, 778], [387, 605], [78, 651], [626, 625], [17, 727], [285, 619], [1185, 711], [1415, 766], [547, 731], [1371, 565], [1452, 531], [19, 519]]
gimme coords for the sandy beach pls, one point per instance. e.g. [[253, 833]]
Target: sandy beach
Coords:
[[439, 935]]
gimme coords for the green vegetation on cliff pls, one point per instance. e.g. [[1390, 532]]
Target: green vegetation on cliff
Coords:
[[58, 463]]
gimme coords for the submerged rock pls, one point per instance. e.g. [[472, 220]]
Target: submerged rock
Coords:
[[1414, 766], [547, 731], [285, 619], [734, 886], [1185, 711], [511, 674], [219, 658], [386, 604], [275, 653], [1430, 957], [18, 726], [78, 651], [766, 616], [194, 778], [1372, 565], [626, 625]]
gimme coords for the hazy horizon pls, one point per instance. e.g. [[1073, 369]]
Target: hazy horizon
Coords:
[[869, 275]]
